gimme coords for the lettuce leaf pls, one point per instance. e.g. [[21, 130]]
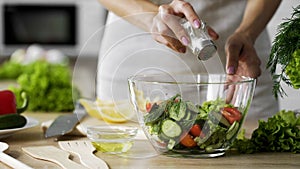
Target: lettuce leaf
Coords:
[[49, 86], [280, 133]]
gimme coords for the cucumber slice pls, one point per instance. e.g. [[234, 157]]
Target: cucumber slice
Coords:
[[232, 131], [170, 128], [171, 144], [163, 137]]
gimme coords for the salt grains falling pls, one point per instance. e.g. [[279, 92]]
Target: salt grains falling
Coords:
[[214, 65]]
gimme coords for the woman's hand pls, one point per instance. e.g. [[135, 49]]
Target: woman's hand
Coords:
[[242, 58], [167, 30]]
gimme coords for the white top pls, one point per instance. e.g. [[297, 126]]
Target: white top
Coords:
[[126, 50]]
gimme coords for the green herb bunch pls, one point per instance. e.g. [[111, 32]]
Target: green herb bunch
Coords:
[[286, 52]]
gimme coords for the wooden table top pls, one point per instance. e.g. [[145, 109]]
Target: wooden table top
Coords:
[[35, 137]]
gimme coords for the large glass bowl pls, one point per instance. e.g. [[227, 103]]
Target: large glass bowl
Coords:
[[191, 115]]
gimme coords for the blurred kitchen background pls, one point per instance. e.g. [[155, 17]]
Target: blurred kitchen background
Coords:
[[77, 33]]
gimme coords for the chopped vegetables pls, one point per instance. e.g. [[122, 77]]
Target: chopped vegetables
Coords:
[[170, 128], [148, 106], [182, 125], [196, 131], [231, 114], [187, 141]]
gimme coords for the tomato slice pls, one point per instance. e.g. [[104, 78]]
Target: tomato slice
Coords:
[[187, 141], [231, 114], [148, 106], [196, 131]]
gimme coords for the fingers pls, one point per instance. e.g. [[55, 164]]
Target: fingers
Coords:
[[162, 34], [230, 93], [233, 52], [212, 33], [242, 58], [187, 10], [172, 22], [175, 45], [168, 29], [172, 13]]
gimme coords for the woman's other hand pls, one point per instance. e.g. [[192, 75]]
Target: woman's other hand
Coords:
[[242, 58]]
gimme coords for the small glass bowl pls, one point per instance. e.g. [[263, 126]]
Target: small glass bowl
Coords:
[[112, 139]]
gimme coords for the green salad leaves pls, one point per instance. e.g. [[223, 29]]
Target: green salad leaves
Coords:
[[11, 70], [292, 69], [280, 133], [49, 86]]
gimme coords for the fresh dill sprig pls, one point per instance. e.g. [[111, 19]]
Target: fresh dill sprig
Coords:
[[286, 42]]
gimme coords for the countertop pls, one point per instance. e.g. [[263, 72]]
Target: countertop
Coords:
[[34, 137]]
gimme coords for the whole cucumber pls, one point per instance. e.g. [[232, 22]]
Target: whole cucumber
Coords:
[[10, 121]]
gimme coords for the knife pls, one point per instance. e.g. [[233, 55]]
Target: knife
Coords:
[[65, 123]]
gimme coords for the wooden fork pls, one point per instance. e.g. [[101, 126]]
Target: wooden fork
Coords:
[[84, 149]]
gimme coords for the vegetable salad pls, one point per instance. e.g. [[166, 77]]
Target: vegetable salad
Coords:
[[179, 125]]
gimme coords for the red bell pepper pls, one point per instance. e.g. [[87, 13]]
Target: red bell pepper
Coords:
[[8, 103]]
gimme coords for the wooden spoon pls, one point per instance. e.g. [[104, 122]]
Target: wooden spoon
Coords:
[[53, 154]]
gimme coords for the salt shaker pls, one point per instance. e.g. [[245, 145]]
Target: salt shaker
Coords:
[[200, 43]]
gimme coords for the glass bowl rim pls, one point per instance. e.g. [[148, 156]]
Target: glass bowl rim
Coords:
[[141, 78], [112, 129]]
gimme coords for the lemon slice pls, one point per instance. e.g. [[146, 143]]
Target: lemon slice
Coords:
[[109, 111], [117, 114], [112, 116], [91, 107]]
